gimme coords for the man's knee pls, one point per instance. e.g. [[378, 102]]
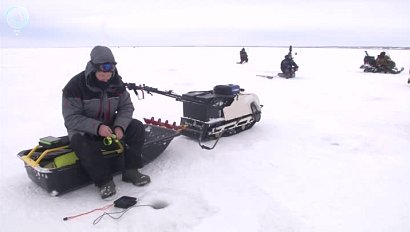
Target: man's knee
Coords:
[[135, 132], [135, 126]]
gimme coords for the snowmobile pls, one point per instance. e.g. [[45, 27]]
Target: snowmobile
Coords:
[[208, 115], [371, 66]]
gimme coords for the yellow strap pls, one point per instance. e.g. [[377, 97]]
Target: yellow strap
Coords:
[[27, 158], [48, 151]]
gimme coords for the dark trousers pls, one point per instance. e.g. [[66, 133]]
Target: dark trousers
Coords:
[[88, 149], [244, 60]]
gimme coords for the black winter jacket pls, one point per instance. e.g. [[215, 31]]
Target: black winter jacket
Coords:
[[88, 103], [287, 64]]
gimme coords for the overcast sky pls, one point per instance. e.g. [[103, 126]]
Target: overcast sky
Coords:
[[72, 23]]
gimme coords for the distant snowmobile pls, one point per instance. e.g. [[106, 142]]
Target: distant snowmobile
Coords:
[[370, 65]]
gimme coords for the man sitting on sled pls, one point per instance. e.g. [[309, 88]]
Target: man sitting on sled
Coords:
[[95, 106]]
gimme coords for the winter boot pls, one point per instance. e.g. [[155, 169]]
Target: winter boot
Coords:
[[135, 177], [107, 189]]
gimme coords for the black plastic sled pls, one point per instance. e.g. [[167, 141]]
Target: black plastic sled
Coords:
[[54, 166]]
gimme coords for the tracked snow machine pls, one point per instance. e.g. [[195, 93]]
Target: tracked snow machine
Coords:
[[208, 115]]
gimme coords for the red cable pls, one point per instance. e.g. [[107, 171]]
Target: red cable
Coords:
[[78, 215]]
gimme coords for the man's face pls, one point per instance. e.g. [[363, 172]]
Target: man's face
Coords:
[[103, 76]]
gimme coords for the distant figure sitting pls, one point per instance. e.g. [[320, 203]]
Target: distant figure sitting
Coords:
[[244, 56], [385, 64], [288, 67]]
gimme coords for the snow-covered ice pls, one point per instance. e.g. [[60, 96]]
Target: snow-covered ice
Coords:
[[331, 152]]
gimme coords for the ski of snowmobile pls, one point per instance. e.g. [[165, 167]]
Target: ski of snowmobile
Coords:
[[377, 70]]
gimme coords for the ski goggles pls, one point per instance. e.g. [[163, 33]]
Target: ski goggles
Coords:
[[107, 67]]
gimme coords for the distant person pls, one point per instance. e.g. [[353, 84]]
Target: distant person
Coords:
[[244, 56], [384, 63], [288, 67], [96, 105]]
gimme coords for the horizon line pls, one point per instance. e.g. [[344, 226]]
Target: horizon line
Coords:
[[216, 46]]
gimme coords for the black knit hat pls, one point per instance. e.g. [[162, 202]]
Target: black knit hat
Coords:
[[101, 55]]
